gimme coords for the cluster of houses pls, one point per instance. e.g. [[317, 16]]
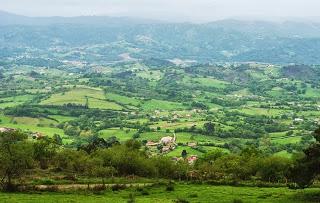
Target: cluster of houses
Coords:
[[177, 115], [168, 144], [3, 130], [191, 159], [35, 135]]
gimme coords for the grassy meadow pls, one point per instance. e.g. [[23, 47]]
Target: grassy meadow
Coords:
[[182, 193]]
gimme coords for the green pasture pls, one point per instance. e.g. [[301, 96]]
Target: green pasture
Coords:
[[155, 104], [150, 74], [262, 111], [122, 99], [122, 135], [211, 82], [78, 95], [15, 100], [186, 192], [312, 92]]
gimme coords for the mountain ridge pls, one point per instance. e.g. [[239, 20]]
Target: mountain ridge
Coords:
[[219, 41]]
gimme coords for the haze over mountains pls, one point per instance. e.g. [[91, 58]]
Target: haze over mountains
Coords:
[[106, 39]]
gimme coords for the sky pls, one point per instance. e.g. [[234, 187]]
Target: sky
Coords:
[[169, 10]]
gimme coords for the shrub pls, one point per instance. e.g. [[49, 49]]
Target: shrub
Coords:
[[52, 188], [118, 187], [170, 186], [131, 198], [47, 182], [99, 188], [70, 177], [143, 191], [181, 201], [237, 201], [194, 195]]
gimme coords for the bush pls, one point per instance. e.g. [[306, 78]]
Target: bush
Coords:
[[131, 198], [99, 188], [118, 187], [181, 201], [52, 188], [237, 201], [70, 177], [194, 195], [143, 191], [43, 182], [170, 186]]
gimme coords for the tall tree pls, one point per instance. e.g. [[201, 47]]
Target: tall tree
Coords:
[[209, 128], [44, 151], [307, 167], [16, 155]]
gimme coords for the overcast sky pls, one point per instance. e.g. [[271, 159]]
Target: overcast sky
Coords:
[[178, 10]]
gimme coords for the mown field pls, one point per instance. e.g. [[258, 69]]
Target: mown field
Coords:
[[95, 97], [181, 193]]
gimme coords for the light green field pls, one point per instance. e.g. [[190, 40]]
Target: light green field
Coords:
[[174, 125], [262, 111], [78, 96], [242, 92], [311, 92], [44, 130], [177, 152], [102, 104], [282, 138], [33, 121], [258, 75], [277, 92], [283, 153], [210, 139], [154, 104], [154, 136], [122, 99], [150, 75], [211, 148], [211, 82], [31, 124], [15, 101], [62, 118], [34, 91], [286, 140], [191, 193], [181, 137], [120, 134]]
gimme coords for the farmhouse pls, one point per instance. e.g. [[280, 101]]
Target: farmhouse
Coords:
[[298, 120], [37, 135], [168, 140], [192, 144], [3, 130], [166, 149], [192, 159], [151, 144]]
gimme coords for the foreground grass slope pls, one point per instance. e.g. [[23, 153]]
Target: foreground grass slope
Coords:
[[189, 193]]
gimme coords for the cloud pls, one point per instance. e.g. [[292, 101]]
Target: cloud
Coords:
[[196, 10]]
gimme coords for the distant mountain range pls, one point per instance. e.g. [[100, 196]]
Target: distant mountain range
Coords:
[[219, 41]]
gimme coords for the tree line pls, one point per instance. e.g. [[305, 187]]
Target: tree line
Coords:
[[104, 159]]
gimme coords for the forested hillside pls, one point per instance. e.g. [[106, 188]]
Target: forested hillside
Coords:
[[106, 39]]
